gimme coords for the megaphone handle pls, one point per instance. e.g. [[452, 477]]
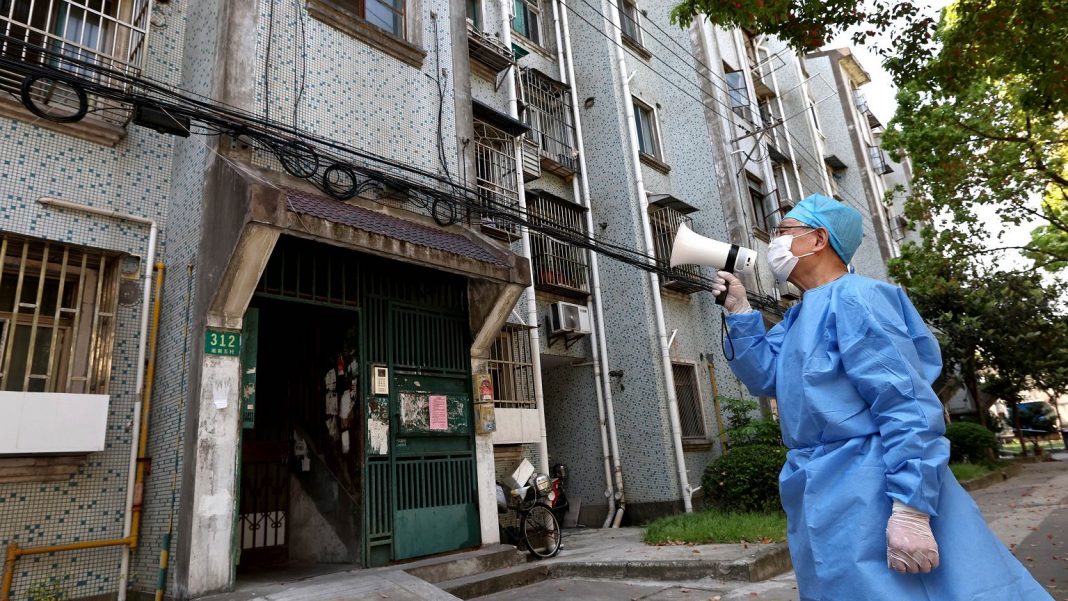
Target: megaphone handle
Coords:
[[721, 298]]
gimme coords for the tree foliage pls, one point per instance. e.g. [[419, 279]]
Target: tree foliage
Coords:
[[983, 116]]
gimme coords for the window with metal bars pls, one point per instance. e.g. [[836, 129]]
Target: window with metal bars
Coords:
[[86, 38], [558, 266], [879, 164], [665, 224], [547, 111], [691, 413], [512, 369], [57, 317], [496, 178]]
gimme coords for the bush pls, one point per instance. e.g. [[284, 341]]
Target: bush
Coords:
[[970, 443], [745, 479], [745, 429]]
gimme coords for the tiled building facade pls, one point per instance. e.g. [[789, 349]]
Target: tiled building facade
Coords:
[[599, 116]]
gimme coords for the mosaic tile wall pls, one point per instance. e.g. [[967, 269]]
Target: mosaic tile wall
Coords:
[[199, 22], [133, 177]]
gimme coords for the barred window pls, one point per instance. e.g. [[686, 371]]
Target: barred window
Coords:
[[547, 111], [559, 267], [497, 180], [691, 414], [879, 164], [57, 317], [512, 369], [87, 38], [665, 224]]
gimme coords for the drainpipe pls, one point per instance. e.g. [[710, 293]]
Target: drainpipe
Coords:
[[528, 294], [136, 435], [602, 381], [612, 10]]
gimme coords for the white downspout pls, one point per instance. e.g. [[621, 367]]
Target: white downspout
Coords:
[[532, 307], [654, 281], [150, 262], [602, 380]]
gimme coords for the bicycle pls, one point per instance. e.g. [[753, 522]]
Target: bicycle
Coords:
[[538, 528]]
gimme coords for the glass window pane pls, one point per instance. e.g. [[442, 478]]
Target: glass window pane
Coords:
[[382, 14], [519, 22]]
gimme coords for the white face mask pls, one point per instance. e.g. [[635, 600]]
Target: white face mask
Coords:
[[781, 259]]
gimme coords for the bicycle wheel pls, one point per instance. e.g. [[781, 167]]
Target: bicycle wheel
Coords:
[[541, 531]]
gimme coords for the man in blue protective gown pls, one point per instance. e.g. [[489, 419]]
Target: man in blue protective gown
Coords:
[[873, 511]]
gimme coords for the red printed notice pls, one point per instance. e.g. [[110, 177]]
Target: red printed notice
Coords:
[[439, 412]]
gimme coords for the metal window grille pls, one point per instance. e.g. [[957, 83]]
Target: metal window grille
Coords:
[[547, 112], [512, 369], [558, 266], [665, 224], [691, 414], [860, 102], [497, 179], [57, 317], [878, 161], [87, 38]]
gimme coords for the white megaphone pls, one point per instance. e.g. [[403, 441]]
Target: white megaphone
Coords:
[[694, 249]]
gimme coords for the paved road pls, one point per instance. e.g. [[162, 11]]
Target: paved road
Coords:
[[1029, 513]]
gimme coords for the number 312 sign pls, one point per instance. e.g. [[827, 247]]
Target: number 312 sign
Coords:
[[217, 342]]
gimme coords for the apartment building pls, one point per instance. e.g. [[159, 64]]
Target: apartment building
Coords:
[[356, 338]]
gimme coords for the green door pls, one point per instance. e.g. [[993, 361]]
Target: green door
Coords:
[[436, 491]]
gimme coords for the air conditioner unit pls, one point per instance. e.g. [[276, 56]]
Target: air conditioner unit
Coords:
[[569, 318]]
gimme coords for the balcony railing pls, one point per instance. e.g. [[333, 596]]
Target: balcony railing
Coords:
[[497, 180], [488, 50], [102, 41], [665, 224], [558, 266], [548, 113]]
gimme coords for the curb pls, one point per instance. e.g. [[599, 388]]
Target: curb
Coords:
[[992, 478], [761, 564]]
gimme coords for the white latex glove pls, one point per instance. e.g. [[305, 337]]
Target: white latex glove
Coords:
[[910, 544], [737, 302]]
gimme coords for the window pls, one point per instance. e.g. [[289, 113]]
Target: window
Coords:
[[512, 369], [691, 414], [547, 110], [558, 266], [474, 14], [648, 130], [738, 93], [628, 21], [527, 20], [496, 177], [665, 222], [57, 317], [815, 117], [758, 201], [387, 15], [85, 37]]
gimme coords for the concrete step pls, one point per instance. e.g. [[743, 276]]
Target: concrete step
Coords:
[[487, 583], [446, 567]]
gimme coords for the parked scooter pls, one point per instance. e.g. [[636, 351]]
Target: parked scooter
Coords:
[[558, 496]]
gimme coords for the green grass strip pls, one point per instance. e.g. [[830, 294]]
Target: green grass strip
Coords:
[[704, 527]]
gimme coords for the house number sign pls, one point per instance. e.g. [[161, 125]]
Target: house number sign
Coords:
[[218, 342]]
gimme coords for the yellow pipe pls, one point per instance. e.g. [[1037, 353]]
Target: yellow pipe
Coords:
[[14, 552], [146, 407]]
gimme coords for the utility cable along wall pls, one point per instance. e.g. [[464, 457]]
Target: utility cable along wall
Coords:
[[338, 170]]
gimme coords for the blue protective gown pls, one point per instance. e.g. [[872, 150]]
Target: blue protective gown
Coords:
[[852, 367]]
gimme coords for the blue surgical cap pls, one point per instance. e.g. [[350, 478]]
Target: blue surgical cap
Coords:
[[842, 222]]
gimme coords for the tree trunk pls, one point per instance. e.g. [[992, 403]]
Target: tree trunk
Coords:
[[1013, 407], [972, 383]]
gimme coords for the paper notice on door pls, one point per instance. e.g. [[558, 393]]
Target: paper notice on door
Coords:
[[439, 412]]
